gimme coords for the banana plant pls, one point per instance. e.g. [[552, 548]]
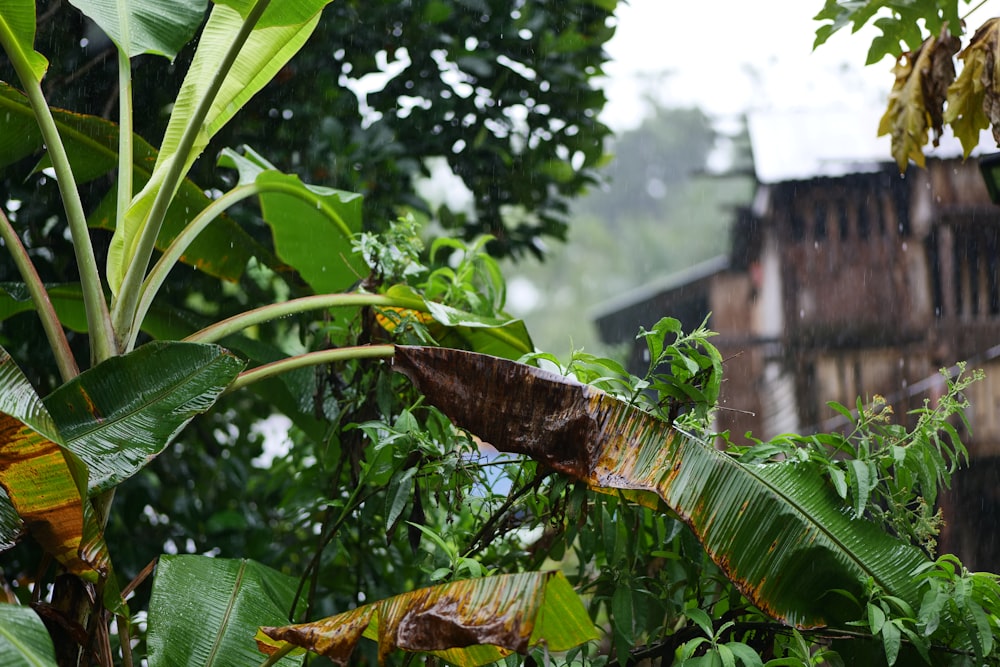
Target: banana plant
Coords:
[[62, 457]]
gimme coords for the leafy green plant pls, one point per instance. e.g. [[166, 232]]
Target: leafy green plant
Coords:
[[65, 457], [679, 548]]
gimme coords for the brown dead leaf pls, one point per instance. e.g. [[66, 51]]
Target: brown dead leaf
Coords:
[[467, 623], [750, 519], [916, 103], [972, 99], [939, 77]]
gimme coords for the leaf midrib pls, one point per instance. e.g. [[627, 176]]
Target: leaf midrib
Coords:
[[225, 617]]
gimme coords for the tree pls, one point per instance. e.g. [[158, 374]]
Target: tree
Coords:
[[500, 90], [381, 494], [926, 39]]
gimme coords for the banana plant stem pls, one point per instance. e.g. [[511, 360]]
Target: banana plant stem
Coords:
[[98, 319], [158, 274], [138, 262], [182, 242], [124, 135], [310, 359], [274, 311], [68, 368]]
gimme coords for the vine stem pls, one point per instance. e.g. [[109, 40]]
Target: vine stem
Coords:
[[68, 368]]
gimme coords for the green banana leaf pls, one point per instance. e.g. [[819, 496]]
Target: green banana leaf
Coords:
[[44, 483], [24, 641], [312, 228], [160, 27], [465, 623], [66, 298], [17, 36], [121, 414], [221, 250], [269, 46], [780, 533], [204, 611]]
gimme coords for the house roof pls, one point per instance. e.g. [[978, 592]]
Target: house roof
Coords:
[[660, 286], [800, 145]]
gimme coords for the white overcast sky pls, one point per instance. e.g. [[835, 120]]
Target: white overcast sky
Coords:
[[731, 56]]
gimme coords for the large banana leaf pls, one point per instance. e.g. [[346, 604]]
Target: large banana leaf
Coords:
[[780, 533], [122, 413], [269, 46], [221, 250], [466, 623], [24, 641], [205, 611], [160, 27], [44, 484]]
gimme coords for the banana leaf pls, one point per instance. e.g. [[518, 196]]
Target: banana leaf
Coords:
[[465, 623], [45, 485], [24, 641], [778, 530], [204, 611]]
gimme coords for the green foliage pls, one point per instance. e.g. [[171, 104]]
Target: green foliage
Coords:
[[882, 469], [155, 451], [905, 22]]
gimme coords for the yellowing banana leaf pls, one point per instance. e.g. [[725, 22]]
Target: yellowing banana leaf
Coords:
[[466, 623], [221, 250], [780, 533], [44, 483], [122, 413]]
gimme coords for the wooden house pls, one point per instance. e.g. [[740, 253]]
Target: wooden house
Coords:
[[845, 280]]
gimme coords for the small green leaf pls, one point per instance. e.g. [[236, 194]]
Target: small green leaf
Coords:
[[745, 654], [876, 618], [622, 612], [702, 620], [400, 490], [890, 642]]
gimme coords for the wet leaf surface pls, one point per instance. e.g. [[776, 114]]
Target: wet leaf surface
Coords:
[[44, 484], [467, 623], [781, 534]]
